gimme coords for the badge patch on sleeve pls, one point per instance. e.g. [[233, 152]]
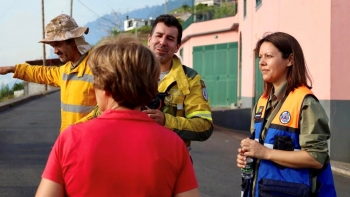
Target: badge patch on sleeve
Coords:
[[258, 114], [204, 90], [285, 117]]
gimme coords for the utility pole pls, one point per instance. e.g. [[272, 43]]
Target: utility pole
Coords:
[[43, 25], [194, 10], [165, 7], [71, 8], [136, 29]]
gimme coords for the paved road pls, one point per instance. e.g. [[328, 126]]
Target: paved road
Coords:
[[28, 131]]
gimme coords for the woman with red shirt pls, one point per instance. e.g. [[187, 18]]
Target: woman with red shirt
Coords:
[[123, 152]]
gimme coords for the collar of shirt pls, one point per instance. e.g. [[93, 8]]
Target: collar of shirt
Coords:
[[276, 96], [279, 93], [177, 74], [79, 61]]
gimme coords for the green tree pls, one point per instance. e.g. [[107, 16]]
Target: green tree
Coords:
[[202, 8], [225, 10], [114, 32], [18, 86], [186, 8], [4, 91], [144, 30]]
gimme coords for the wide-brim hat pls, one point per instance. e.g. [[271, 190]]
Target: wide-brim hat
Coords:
[[63, 27], [82, 45]]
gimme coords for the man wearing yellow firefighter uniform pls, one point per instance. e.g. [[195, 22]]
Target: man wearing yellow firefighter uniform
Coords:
[[74, 77], [186, 110]]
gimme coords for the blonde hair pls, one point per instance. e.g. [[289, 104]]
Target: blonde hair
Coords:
[[127, 69]]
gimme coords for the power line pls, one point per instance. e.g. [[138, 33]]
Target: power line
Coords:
[[89, 8], [93, 11], [8, 8]]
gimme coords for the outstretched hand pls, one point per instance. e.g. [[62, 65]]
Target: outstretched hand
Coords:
[[7, 69]]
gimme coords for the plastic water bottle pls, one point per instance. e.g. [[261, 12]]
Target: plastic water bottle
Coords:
[[247, 171]]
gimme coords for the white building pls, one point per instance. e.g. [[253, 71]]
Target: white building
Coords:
[[207, 2], [130, 24]]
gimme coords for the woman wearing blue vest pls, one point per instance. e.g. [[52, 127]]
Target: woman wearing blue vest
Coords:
[[289, 128]]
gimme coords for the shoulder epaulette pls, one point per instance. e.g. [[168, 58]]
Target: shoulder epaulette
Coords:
[[191, 73]]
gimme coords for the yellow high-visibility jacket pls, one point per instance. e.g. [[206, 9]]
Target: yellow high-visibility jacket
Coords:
[[187, 110], [77, 91]]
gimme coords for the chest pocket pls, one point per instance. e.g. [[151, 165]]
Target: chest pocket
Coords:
[[174, 102]]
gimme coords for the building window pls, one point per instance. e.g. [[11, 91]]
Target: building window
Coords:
[[130, 23], [245, 8], [258, 3]]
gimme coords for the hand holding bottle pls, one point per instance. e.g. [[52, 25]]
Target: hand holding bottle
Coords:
[[246, 165]]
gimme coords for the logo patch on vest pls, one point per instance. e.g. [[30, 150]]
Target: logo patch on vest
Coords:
[[285, 117], [205, 94], [258, 114], [204, 90]]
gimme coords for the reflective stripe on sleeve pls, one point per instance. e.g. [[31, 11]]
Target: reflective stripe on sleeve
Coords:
[[201, 114], [76, 108], [74, 77]]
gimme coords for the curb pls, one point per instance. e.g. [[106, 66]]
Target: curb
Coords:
[[341, 168], [5, 105], [337, 167]]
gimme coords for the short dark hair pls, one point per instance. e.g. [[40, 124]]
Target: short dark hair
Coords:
[[127, 69], [170, 21], [297, 74]]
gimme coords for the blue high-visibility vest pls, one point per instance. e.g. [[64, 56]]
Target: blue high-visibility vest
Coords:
[[276, 180]]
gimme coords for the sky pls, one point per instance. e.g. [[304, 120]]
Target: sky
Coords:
[[21, 23]]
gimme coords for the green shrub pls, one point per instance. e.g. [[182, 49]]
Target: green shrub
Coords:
[[18, 86]]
